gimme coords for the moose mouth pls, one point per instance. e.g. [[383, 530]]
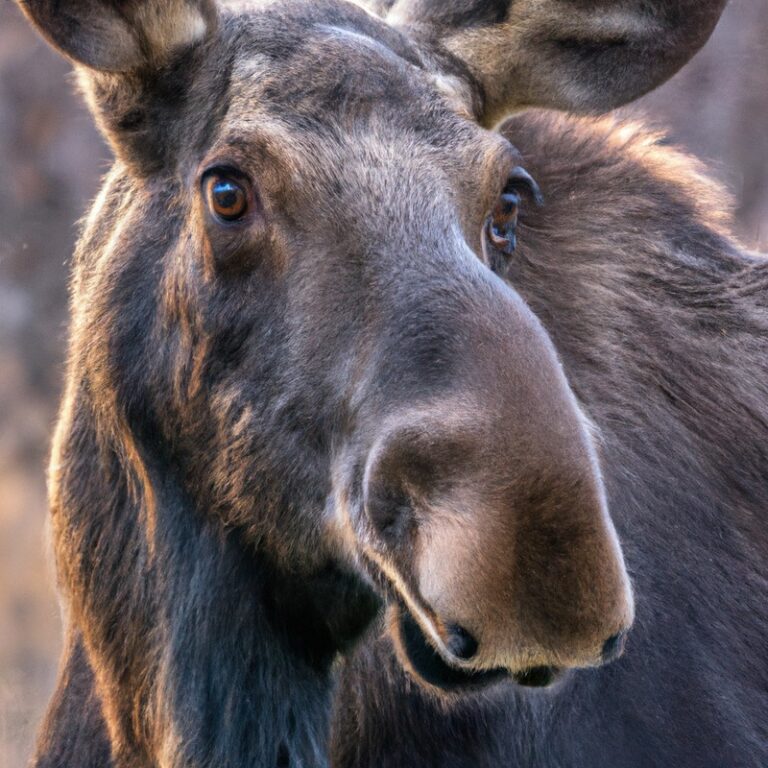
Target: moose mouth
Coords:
[[428, 665]]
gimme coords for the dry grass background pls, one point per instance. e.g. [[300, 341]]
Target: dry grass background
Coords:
[[50, 162]]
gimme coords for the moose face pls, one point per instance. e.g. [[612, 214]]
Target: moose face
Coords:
[[301, 278]]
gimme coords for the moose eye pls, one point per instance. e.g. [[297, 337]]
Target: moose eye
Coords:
[[227, 194], [501, 226]]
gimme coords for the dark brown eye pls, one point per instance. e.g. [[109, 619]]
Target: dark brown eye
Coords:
[[227, 195], [501, 227]]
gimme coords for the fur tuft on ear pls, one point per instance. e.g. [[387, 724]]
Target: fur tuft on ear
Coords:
[[137, 63], [579, 55], [115, 36]]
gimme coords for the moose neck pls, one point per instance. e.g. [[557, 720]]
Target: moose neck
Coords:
[[227, 657], [236, 671]]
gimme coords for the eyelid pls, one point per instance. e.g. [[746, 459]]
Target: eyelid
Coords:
[[225, 169], [507, 160], [520, 178]]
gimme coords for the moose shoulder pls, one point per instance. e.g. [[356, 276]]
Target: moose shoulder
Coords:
[[326, 357]]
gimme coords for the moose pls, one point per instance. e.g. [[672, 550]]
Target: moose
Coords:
[[388, 424]]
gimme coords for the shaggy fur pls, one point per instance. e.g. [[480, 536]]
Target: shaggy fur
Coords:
[[274, 425], [661, 320]]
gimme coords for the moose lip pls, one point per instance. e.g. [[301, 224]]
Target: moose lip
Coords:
[[428, 665]]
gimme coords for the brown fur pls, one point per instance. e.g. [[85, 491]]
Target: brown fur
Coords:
[[567, 54], [662, 323], [274, 423]]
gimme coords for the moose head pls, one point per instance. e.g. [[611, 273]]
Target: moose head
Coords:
[[290, 299]]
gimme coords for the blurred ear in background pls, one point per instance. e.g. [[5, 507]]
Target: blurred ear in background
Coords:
[[50, 161]]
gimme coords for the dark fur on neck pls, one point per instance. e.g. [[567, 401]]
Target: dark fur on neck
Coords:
[[192, 648]]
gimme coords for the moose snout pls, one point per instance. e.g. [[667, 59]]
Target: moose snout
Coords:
[[463, 646], [483, 504], [502, 553]]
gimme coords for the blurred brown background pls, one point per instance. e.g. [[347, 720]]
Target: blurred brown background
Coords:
[[50, 162]]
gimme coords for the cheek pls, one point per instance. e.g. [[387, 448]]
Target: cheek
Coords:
[[237, 249]]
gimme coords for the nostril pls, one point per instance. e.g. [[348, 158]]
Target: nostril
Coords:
[[459, 642], [614, 646]]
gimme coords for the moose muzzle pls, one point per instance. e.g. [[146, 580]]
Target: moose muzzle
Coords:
[[484, 510]]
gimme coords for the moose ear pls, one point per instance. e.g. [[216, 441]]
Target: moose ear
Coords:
[[120, 35], [136, 63], [580, 55]]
